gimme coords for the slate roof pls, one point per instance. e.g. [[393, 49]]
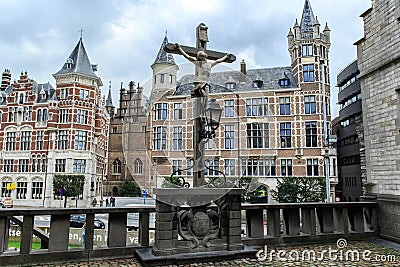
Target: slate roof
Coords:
[[109, 99], [163, 56], [80, 62], [307, 19], [269, 76], [46, 90]]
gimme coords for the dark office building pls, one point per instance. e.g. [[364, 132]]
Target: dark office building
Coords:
[[349, 130]]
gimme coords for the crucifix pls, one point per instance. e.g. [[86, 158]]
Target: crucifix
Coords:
[[203, 60]]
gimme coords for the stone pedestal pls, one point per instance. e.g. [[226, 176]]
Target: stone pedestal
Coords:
[[197, 220], [194, 224]]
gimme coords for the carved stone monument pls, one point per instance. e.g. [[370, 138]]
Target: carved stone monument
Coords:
[[201, 222]]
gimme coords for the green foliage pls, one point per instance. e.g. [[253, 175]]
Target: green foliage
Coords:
[[72, 184], [129, 189], [173, 182], [293, 189]]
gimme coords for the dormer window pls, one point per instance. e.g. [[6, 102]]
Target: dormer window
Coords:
[[230, 85], [284, 82], [43, 94], [257, 84], [69, 63]]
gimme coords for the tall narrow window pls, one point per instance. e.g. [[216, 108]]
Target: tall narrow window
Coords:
[[39, 140], [177, 166], [177, 138], [308, 73], [311, 134], [80, 140], [63, 139], [117, 166], [229, 167], [212, 166], [161, 111], [160, 138], [10, 141], [138, 166], [8, 165], [177, 111], [63, 118], [23, 165], [286, 167], [37, 190], [82, 116], [229, 108], [60, 165], [229, 136], [22, 188], [312, 167], [162, 78], [284, 105], [25, 143], [310, 104], [286, 134]]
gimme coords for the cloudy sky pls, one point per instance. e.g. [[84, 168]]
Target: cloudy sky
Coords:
[[123, 37]]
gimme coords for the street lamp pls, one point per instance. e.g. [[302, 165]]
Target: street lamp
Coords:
[[212, 114]]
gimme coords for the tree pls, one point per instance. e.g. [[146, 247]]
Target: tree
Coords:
[[71, 185], [129, 189], [293, 189]]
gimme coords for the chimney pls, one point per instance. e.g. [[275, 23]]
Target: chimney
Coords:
[[5, 79], [131, 86], [243, 67]]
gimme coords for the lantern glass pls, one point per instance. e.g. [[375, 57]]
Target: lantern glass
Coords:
[[213, 114]]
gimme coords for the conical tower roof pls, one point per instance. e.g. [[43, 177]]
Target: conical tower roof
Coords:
[[109, 98], [307, 19], [163, 56], [78, 62]]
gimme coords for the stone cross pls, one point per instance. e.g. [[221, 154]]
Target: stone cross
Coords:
[[201, 58]]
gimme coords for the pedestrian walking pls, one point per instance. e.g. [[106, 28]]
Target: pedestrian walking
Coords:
[[112, 201], [107, 203], [94, 202]]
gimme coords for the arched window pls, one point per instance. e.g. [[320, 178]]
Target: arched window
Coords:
[[138, 166], [117, 166], [21, 98], [39, 115], [44, 114]]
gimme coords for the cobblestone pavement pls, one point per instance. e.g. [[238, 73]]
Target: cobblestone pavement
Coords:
[[369, 254]]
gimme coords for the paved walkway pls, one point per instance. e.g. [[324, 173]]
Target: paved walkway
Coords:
[[375, 253]]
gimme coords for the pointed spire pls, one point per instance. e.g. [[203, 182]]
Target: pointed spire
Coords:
[[290, 33], [163, 56], [327, 28], [307, 19], [109, 99], [78, 62]]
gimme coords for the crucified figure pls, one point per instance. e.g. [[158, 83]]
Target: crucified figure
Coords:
[[202, 71]]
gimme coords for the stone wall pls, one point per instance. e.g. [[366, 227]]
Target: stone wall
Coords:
[[378, 60]]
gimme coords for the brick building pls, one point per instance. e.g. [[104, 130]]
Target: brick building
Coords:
[[46, 131], [378, 54], [272, 123]]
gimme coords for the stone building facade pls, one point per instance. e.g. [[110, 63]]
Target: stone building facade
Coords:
[[127, 149], [348, 128], [378, 54], [272, 122], [46, 131]]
